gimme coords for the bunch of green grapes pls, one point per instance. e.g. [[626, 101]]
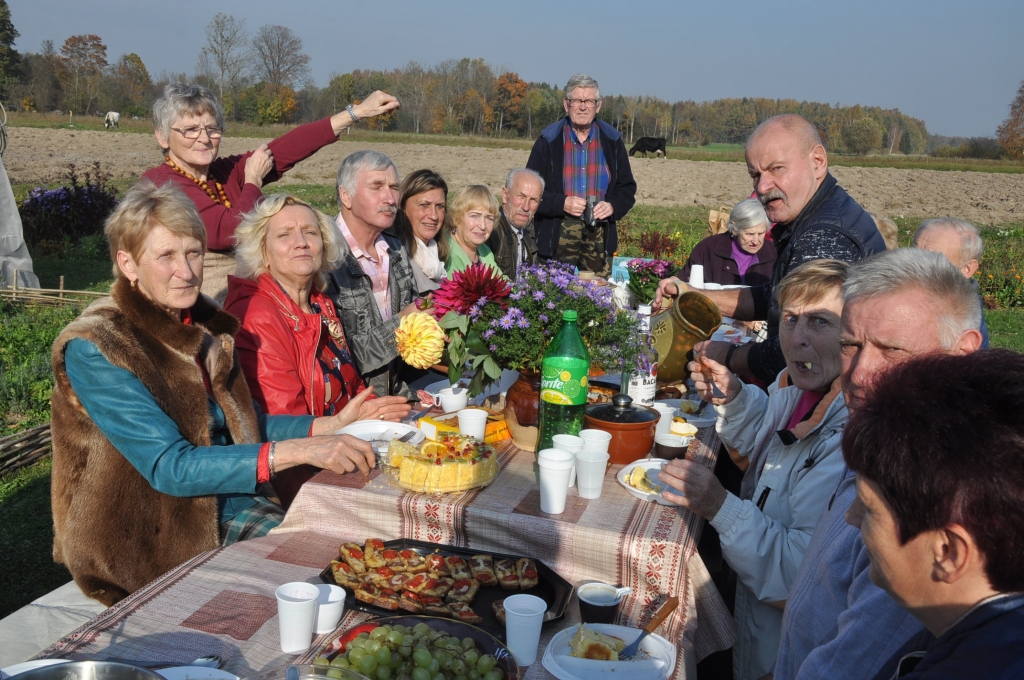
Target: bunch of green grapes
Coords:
[[417, 653]]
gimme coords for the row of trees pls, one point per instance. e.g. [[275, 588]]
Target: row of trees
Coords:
[[264, 77]]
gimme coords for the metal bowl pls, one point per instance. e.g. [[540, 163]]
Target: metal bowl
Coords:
[[90, 670]]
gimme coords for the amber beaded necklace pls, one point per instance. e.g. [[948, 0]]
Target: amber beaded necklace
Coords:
[[219, 197]]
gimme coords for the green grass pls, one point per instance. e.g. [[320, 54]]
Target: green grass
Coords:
[[27, 539], [1006, 328]]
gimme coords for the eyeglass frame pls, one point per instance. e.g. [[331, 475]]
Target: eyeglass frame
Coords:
[[575, 103], [200, 129]]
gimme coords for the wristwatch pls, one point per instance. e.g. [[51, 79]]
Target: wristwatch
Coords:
[[351, 112]]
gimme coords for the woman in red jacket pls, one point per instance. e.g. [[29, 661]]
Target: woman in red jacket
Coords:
[[291, 345], [188, 124]]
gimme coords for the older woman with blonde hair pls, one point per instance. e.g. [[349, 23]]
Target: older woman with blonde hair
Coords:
[[189, 125], [472, 213], [158, 452], [291, 345], [788, 441]]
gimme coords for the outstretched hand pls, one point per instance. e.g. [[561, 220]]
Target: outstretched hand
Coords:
[[376, 104]]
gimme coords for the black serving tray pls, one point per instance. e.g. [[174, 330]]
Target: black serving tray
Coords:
[[551, 587]]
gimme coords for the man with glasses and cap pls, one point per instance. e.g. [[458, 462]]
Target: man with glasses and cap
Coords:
[[588, 184]]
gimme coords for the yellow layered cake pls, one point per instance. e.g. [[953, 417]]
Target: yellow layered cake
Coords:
[[453, 463]]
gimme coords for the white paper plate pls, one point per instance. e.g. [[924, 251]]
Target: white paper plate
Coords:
[[369, 430], [30, 665], [195, 673], [709, 418], [646, 464], [659, 666]]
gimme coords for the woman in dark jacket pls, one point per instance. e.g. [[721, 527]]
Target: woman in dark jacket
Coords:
[[740, 256]]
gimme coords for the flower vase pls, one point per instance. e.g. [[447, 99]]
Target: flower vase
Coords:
[[522, 403]]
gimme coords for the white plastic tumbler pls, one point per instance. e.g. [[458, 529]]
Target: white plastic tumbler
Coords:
[[296, 614], [570, 443], [524, 615], [555, 466], [473, 422], [597, 440], [697, 276]]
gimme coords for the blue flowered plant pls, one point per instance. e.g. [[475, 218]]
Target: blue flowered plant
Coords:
[[55, 220], [512, 332]]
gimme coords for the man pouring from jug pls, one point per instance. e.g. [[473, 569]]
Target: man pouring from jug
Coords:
[[815, 219]]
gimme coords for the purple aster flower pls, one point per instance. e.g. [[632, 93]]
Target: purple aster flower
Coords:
[[551, 305], [543, 318], [507, 322], [522, 322], [516, 295], [487, 334], [538, 295], [493, 348]]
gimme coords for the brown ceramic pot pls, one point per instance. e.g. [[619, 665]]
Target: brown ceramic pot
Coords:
[[522, 402], [631, 427]]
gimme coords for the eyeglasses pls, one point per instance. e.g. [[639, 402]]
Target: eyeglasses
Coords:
[[577, 103], [195, 132]]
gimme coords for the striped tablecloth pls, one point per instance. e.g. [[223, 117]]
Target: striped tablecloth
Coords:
[[222, 602]]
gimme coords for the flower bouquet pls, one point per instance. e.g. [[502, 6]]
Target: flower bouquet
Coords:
[[644, 276], [494, 325]]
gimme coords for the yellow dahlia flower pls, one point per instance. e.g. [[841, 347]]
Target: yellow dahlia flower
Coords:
[[420, 340]]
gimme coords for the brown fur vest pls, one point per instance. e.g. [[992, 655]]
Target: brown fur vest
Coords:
[[112, 530]]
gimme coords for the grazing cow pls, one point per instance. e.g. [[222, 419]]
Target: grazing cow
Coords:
[[655, 145], [113, 118]]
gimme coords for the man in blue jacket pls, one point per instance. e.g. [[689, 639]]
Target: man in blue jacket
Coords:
[[588, 184], [940, 507]]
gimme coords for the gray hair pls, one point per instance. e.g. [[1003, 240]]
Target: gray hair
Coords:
[[184, 100], [971, 247], [251, 238], [747, 214], [510, 178], [581, 80], [892, 272], [353, 164]]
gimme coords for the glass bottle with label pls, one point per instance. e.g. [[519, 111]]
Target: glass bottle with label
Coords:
[[642, 380], [563, 383]]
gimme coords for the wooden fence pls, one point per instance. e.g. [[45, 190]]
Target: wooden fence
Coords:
[[24, 448], [48, 296]]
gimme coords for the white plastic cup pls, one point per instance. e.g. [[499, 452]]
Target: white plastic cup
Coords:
[[555, 467], [597, 440], [590, 470], [570, 443], [524, 615], [697, 276], [330, 605], [665, 422], [453, 399], [473, 422], [296, 614]]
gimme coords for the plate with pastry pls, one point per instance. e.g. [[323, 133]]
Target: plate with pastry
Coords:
[[640, 479], [586, 651]]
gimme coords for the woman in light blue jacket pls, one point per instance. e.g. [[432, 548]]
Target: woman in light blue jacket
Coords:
[[788, 442]]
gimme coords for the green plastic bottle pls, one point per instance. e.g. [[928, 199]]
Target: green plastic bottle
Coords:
[[563, 383]]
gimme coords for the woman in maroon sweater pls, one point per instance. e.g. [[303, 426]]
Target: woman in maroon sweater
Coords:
[[741, 255], [189, 125]]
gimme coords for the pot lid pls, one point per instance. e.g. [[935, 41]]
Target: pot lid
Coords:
[[621, 410]]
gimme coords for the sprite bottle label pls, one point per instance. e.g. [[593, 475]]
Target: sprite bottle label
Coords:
[[563, 381]]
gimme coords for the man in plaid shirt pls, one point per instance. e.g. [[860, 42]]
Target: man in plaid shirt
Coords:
[[587, 179]]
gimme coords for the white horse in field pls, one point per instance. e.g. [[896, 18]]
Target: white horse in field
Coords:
[[112, 119]]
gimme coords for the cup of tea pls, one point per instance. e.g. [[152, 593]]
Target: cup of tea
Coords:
[[671, 446], [599, 602]]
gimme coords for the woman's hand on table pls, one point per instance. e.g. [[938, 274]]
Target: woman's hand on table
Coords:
[[339, 453], [259, 165], [693, 486], [707, 369], [361, 407]]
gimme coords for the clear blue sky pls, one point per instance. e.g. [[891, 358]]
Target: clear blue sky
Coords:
[[955, 64]]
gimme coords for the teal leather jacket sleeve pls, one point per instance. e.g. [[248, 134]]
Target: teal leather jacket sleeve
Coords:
[[125, 411]]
